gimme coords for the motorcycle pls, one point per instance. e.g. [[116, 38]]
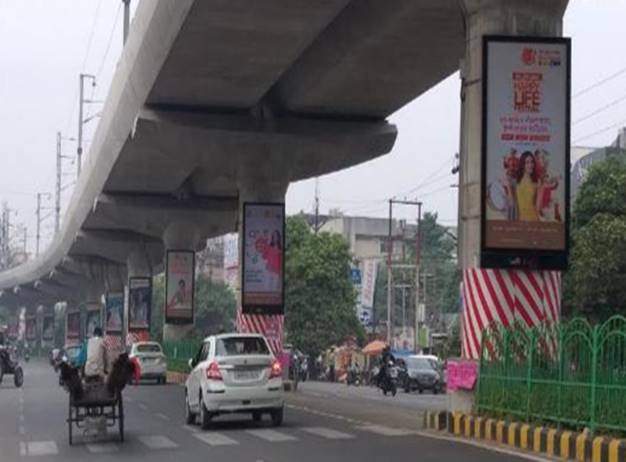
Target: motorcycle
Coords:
[[10, 366], [389, 381], [353, 378]]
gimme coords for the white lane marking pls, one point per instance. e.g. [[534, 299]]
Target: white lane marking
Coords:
[[22, 448], [215, 439], [41, 448], [22, 418], [128, 399], [327, 433], [385, 431], [103, 448], [191, 428], [162, 416], [157, 442], [142, 406], [272, 436]]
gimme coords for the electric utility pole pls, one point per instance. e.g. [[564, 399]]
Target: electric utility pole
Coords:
[[81, 103], [317, 205], [391, 265], [418, 257], [126, 19], [39, 220], [57, 204]]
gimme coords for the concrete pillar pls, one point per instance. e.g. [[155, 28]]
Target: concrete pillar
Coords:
[[255, 189], [179, 235], [484, 17], [94, 290], [138, 264]]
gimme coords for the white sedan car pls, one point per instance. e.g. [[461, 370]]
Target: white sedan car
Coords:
[[234, 373], [152, 362]]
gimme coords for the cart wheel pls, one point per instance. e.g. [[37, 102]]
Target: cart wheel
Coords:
[[121, 417], [18, 377], [69, 425]]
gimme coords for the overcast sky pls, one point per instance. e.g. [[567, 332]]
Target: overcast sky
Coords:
[[45, 44]]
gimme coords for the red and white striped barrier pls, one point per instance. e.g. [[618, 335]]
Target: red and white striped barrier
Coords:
[[271, 326], [507, 297]]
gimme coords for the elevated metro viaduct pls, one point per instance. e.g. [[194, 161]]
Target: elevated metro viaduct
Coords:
[[216, 103]]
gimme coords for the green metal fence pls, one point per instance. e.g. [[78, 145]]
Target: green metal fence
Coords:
[[179, 352], [571, 374]]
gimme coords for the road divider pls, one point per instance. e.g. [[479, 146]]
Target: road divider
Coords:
[[552, 442]]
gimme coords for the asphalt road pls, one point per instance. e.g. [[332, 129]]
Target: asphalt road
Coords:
[[328, 422]]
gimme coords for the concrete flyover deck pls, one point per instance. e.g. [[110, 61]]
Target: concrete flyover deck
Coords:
[[211, 96]]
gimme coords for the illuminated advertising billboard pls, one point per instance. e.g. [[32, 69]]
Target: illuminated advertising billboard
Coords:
[[525, 158]]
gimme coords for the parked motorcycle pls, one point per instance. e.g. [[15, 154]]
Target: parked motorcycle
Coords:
[[389, 380], [10, 366]]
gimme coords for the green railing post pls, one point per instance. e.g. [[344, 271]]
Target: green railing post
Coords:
[[507, 362], [480, 370], [559, 387], [594, 378], [529, 372]]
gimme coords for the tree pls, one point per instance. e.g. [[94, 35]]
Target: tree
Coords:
[[596, 281], [214, 305], [438, 261], [319, 296]]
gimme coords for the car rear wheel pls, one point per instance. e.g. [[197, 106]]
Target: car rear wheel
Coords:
[[205, 415], [257, 416], [277, 417], [190, 417]]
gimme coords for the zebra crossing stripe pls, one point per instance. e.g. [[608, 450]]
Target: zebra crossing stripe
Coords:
[[327, 433], [272, 436], [38, 448], [102, 448], [157, 442], [385, 431], [215, 439]]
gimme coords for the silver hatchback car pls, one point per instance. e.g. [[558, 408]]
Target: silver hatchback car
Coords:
[[234, 373]]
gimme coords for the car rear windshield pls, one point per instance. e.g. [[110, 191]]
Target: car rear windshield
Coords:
[[236, 346], [419, 363], [148, 349]]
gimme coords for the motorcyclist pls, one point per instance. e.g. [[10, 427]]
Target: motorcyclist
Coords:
[[385, 359]]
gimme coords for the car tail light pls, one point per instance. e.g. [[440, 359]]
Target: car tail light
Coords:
[[213, 371], [276, 370]]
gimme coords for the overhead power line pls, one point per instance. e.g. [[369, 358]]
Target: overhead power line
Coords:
[[599, 83], [599, 110], [602, 130]]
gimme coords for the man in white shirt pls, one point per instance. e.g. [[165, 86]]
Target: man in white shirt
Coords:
[[96, 364]]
